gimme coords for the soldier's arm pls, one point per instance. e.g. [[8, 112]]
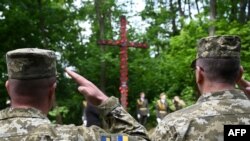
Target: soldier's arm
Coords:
[[164, 132], [116, 119], [117, 122]]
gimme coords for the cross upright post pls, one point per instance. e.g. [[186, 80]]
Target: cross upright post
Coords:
[[123, 43]]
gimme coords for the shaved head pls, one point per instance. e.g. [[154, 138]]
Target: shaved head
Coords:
[[223, 70]]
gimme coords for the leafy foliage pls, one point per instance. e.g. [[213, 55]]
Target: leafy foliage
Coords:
[[164, 67]]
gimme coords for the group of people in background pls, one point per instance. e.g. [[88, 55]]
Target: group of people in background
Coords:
[[161, 106], [32, 81], [90, 115]]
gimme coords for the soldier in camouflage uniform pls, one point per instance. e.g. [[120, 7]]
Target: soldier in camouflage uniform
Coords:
[[217, 70], [31, 87]]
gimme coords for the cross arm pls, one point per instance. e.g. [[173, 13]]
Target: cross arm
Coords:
[[121, 43], [137, 45], [110, 42]]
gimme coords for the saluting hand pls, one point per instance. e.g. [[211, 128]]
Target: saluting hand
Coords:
[[244, 85], [88, 89]]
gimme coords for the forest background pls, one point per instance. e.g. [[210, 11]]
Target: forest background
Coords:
[[72, 28]]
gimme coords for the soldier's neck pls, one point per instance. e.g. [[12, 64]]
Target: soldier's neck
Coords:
[[21, 106], [215, 86]]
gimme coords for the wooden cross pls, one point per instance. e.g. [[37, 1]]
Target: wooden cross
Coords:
[[123, 43]]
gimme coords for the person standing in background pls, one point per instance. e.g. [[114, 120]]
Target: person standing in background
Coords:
[[162, 108], [178, 103], [142, 109], [90, 115]]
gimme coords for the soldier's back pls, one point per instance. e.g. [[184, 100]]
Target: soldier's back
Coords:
[[31, 125], [206, 119]]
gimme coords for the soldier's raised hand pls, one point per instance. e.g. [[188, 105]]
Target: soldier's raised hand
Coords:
[[244, 85], [88, 89]]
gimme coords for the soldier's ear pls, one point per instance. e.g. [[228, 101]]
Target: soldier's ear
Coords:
[[51, 97], [199, 75], [7, 85], [52, 89]]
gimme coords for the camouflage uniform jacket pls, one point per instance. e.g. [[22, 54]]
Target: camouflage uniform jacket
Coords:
[[31, 125], [204, 121]]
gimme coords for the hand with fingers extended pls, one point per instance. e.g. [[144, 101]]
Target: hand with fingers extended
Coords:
[[245, 86], [88, 89]]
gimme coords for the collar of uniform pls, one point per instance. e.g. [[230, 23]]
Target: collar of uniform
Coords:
[[219, 95], [21, 112]]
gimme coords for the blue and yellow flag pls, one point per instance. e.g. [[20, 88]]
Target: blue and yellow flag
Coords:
[[122, 138], [105, 138], [114, 137]]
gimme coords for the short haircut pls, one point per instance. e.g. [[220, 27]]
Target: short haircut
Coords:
[[32, 87], [223, 70]]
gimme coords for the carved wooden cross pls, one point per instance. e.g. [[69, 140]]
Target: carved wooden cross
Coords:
[[123, 43]]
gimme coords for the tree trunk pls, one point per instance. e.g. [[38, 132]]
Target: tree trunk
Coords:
[[180, 9], [174, 27], [243, 5], [212, 17], [248, 15], [189, 10], [234, 10], [101, 22], [197, 6]]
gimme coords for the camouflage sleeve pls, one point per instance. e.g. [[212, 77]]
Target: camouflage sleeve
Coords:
[[116, 122], [163, 132], [173, 127]]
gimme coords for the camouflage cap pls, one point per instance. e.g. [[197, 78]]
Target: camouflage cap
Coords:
[[218, 47], [31, 63]]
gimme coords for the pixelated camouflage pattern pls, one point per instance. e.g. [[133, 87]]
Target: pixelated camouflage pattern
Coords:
[[31, 125], [204, 121], [31, 63], [219, 46]]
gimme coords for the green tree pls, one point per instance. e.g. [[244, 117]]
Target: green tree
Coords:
[[172, 33]]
